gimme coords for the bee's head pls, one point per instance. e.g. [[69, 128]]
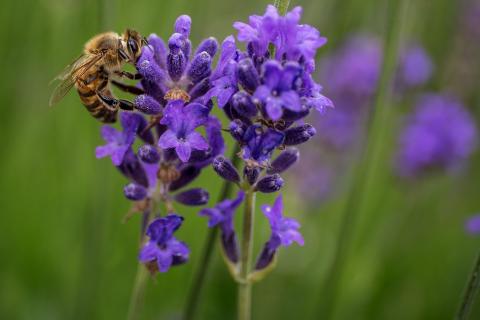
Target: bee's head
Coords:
[[133, 44]]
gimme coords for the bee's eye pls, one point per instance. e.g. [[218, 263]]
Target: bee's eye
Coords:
[[132, 45], [122, 54]]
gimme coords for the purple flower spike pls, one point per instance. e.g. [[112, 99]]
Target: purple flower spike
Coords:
[[119, 142], [163, 250], [415, 66], [284, 232], [472, 225], [440, 134], [277, 91], [181, 122], [222, 215]]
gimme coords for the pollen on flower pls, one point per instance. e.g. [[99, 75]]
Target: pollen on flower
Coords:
[[177, 94]]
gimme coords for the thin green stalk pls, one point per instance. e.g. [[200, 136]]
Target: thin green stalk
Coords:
[[138, 292], [244, 285], [470, 291], [282, 6], [201, 273], [369, 158]]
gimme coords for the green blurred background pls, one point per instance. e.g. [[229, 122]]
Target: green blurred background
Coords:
[[66, 255]]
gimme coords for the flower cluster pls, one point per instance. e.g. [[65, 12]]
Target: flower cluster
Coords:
[[440, 134], [172, 151], [265, 91]]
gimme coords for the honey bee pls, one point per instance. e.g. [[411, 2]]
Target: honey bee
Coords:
[[103, 58]]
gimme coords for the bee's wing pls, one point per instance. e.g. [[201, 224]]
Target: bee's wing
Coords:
[[70, 75]]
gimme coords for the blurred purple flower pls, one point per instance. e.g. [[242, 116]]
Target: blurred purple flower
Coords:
[[472, 225], [415, 67], [163, 250], [439, 134]]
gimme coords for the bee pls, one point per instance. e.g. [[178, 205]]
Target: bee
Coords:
[[92, 73]]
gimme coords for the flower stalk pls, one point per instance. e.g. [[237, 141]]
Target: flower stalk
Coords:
[[470, 291], [206, 257], [244, 284]]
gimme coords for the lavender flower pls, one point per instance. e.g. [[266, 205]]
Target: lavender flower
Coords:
[[284, 232], [173, 73], [415, 67], [472, 225], [439, 134], [181, 122], [278, 90], [163, 250], [118, 142], [222, 215]]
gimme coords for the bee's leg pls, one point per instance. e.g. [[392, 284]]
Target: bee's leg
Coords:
[[115, 104], [129, 75], [127, 88]]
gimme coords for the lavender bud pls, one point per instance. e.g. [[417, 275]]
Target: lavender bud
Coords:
[[284, 161], [229, 244], [147, 104], [243, 104], [200, 67], [298, 135], [193, 197], [247, 75], [200, 89], [159, 49], [176, 65], [251, 174], [225, 169], [210, 45], [289, 115], [148, 153], [237, 129], [134, 191], [187, 175], [183, 25], [149, 69], [265, 257], [269, 184], [200, 155]]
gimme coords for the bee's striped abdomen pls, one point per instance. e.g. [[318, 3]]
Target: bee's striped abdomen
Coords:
[[90, 99]]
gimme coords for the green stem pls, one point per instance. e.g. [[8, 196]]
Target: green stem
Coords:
[[369, 158], [470, 291], [282, 6], [141, 277], [244, 285], [138, 292], [201, 273]]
